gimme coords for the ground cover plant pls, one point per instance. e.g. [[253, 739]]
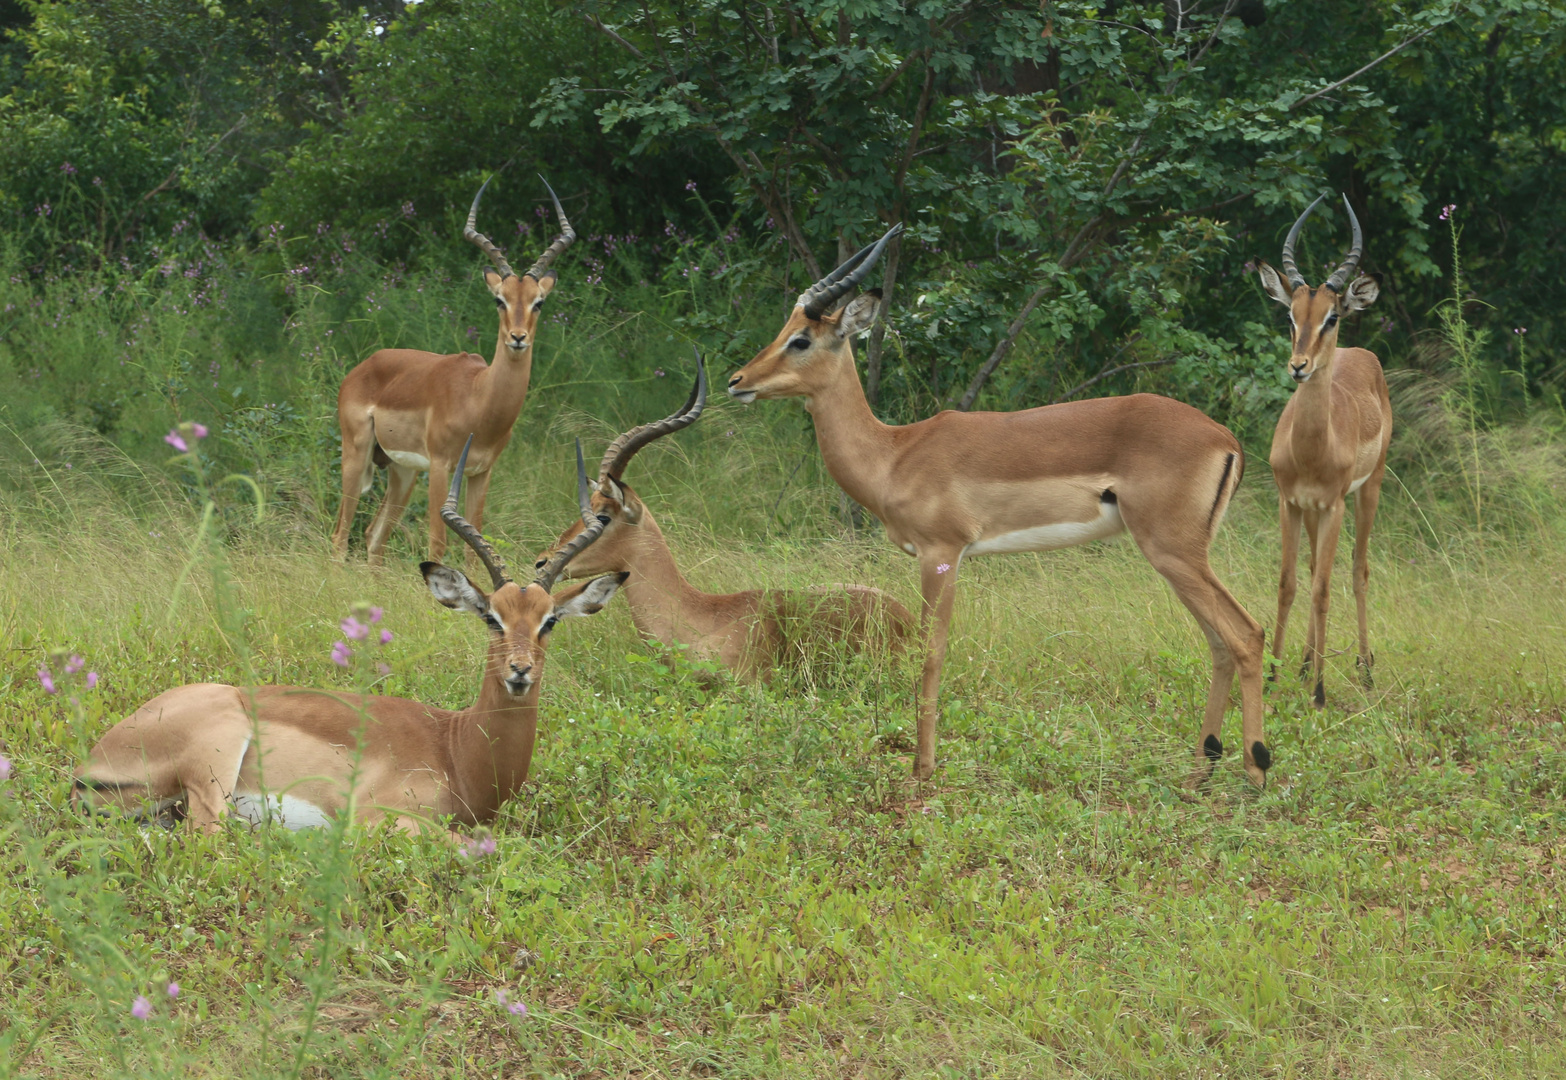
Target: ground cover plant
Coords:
[[713, 879]]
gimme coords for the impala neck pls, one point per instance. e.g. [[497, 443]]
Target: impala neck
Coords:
[[502, 387], [492, 743], [1313, 412], [855, 446], [664, 606]]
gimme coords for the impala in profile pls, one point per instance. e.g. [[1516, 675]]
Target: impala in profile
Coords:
[[406, 410], [1331, 441], [961, 484], [751, 633], [302, 756]]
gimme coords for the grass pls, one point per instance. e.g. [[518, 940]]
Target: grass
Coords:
[[736, 882]]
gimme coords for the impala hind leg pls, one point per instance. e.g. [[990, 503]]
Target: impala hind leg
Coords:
[[1324, 531], [358, 475], [478, 490], [440, 476], [938, 584], [399, 487], [1365, 501], [1289, 518]]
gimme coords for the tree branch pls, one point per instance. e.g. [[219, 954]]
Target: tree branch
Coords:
[[592, 20], [1393, 51], [1113, 371]]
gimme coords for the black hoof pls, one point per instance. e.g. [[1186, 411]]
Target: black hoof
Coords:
[[1261, 756], [1213, 748], [1320, 696]]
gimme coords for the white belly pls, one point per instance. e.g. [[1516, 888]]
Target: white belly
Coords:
[[289, 811], [1356, 485], [1049, 537], [408, 459]]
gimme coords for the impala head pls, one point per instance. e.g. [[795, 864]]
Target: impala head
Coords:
[[519, 298], [813, 343], [1314, 313], [521, 616], [612, 501]]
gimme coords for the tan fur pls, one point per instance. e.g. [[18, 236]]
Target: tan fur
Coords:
[[405, 401], [956, 480], [751, 633], [200, 746], [1334, 432]]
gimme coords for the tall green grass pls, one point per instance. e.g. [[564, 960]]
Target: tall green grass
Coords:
[[723, 880]]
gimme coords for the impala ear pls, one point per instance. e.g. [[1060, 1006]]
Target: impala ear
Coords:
[[545, 285], [860, 314], [453, 589], [590, 597], [1273, 282], [629, 505], [492, 281], [1360, 294]]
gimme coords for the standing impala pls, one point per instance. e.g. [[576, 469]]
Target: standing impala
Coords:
[[302, 756], [1331, 441], [751, 633], [964, 483], [409, 410]]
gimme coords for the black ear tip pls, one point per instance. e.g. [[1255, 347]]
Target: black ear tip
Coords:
[[622, 575], [873, 292], [427, 568]]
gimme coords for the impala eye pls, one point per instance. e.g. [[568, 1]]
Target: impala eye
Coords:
[[501, 304], [1332, 320], [548, 625], [493, 623], [799, 343]]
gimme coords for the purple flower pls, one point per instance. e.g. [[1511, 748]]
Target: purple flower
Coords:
[[141, 1008], [198, 430], [5, 767], [945, 566], [92, 680], [690, 185], [375, 615], [386, 637], [477, 849], [515, 1008], [1250, 266], [1446, 211], [384, 669], [354, 629], [47, 681], [68, 169], [74, 664], [341, 653], [177, 441], [657, 372], [1520, 330], [173, 989]]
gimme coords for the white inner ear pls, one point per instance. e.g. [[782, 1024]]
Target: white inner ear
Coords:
[[858, 316], [452, 588], [1361, 293], [591, 600], [1274, 284]]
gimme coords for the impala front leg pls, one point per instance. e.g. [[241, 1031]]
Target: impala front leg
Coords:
[[440, 477], [938, 584], [478, 488], [1288, 576], [1323, 548]]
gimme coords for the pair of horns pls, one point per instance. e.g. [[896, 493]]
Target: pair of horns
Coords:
[[817, 299], [593, 525], [1350, 261], [537, 270], [616, 458]]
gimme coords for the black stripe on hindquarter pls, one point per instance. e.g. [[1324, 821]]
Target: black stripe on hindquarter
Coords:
[[1223, 482]]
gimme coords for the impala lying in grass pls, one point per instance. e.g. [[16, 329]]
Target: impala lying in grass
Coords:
[[752, 633], [300, 756]]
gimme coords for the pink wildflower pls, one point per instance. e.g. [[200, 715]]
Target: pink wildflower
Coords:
[[92, 680], [515, 1008], [1446, 211], [173, 989], [46, 680], [341, 653], [5, 767], [945, 566], [74, 664], [141, 1008], [375, 614], [386, 636], [177, 441], [354, 629]]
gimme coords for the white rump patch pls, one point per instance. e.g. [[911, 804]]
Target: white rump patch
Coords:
[[289, 811], [1050, 537], [408, 459]]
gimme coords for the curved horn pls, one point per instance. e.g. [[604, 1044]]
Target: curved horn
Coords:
[[471, 536], [566, 238], [824, 293], [1289, 269], [592, 525], [1350, 262], [472, 235], [624, 448]]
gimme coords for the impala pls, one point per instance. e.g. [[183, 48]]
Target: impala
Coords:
[[750, 633], [1331, 441], [963, 483], [301, 756], [406, 410]]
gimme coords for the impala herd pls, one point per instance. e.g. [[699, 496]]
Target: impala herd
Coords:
[[955, 485]]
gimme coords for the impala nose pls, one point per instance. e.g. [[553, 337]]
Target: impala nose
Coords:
[[734, 380], [518, 339], [519, 679], [1298, 370]]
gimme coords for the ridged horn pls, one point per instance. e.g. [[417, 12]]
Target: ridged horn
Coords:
[[824, 293], [566, 238], [472, 235], [1289, 269], [460, 525], [592, 525], [624, 448], [1350, 261]]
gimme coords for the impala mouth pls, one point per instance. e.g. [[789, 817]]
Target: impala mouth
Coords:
[[1301, 376], [518, 684], [744, 397]]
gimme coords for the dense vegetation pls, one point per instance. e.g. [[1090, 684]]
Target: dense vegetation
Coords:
[[211, 210]]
